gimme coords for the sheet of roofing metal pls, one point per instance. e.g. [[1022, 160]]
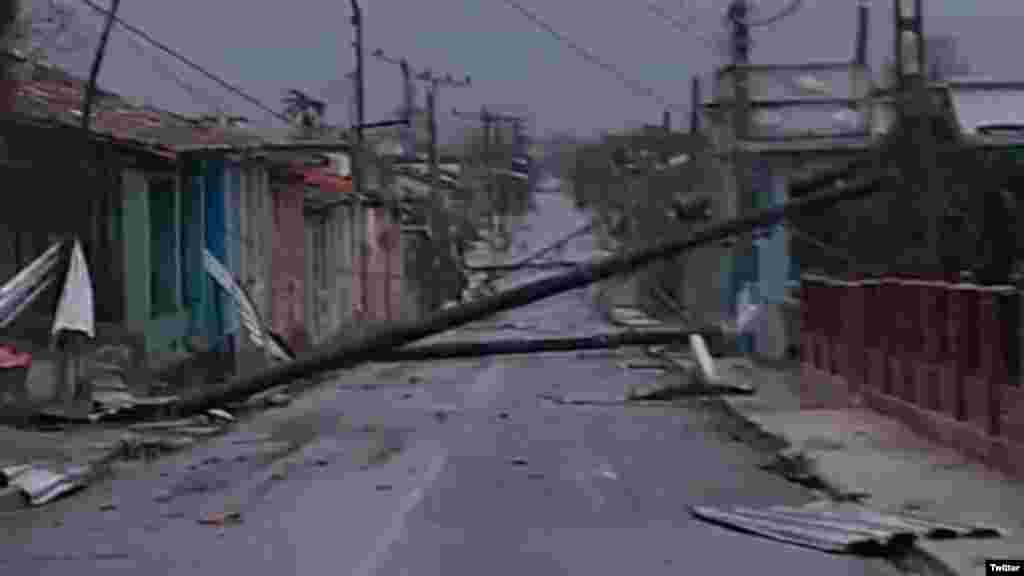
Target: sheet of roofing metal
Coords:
[[977, 107], [851, 530]]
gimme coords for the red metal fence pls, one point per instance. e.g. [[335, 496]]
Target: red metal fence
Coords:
[[941, 357]]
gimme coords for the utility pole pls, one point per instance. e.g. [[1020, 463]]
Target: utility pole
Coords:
[[408, 100], [738, 17], [356, 156], [438, 222], [492, 140], [71, 342], [435, 220], [695, 109]]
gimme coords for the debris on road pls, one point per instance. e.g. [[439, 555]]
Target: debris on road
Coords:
[[519, 461], [221, 519], [279, 400], [384, 487], [41, 484], [850, 530], [221, 414]]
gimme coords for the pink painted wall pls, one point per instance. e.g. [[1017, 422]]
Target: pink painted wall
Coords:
[[288, 267], [383, 266]]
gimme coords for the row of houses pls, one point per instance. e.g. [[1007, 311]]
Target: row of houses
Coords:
[[147, 191]]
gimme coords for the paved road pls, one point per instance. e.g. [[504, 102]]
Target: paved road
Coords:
[[454, 468]]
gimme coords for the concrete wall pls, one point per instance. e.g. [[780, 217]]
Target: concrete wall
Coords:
[[288, 265], [256, 229]]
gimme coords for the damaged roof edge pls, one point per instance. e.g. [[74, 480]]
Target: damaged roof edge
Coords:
[[257, 147]]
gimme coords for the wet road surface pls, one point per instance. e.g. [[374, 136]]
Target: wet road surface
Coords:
[[448, 468]]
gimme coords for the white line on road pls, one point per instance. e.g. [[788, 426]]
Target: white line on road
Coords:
[[398, 520]]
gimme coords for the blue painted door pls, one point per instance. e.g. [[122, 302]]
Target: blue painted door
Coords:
[[193, 275], [215, 327]]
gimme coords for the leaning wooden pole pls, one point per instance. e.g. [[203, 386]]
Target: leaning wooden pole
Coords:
[[351, 353]]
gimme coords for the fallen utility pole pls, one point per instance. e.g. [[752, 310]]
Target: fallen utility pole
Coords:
[[450, 350], [377, 344]]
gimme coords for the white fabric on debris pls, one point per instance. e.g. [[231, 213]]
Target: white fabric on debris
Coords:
[[75, 311]]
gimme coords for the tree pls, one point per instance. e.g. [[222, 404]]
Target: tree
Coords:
[[305, 110]]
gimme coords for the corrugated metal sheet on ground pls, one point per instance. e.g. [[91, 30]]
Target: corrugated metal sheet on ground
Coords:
[[852, 531]]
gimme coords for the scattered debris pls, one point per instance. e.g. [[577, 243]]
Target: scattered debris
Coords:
[[108, 506], [136, 446], [535, 475], [645, 364], [163, 425], [221, 414], [279, 400], [582, 400], [503, 415], [163, 496], [406, 395], [441, 415], [200, 430], [221, 519], [42, 485], [384, 487], [518, 461]]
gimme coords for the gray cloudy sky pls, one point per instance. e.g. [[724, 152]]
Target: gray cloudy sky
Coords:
[[268, 47]]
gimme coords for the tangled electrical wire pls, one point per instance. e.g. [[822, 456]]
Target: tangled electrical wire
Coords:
[[793, 7]]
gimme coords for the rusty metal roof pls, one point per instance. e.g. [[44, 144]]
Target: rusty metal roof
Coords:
[[54, 95]]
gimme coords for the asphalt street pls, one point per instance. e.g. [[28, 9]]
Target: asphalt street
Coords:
[[449, 468]]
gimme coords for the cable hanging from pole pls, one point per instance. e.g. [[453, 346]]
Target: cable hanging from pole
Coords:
[[186, 61]]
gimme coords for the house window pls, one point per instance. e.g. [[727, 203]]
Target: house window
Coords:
[[163, 249]]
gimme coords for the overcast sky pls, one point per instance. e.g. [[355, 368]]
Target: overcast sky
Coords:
[[268, 47]]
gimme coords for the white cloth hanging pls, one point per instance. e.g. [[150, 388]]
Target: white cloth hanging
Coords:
[[75, 311]]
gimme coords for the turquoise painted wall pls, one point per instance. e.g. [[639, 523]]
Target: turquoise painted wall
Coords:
[[193, 233], [166, 330], [135, 232]]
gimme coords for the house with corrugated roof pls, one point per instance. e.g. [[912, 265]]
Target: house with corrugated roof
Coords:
[[147, 192]]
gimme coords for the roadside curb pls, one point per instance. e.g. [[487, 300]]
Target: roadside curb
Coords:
[[916, 559]]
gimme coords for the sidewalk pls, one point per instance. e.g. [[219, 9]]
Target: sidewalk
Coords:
[[862, 452]]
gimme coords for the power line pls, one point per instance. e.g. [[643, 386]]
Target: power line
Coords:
[[678, 25], [191, 64], [168, 74], [793, 7], [636, 88]]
